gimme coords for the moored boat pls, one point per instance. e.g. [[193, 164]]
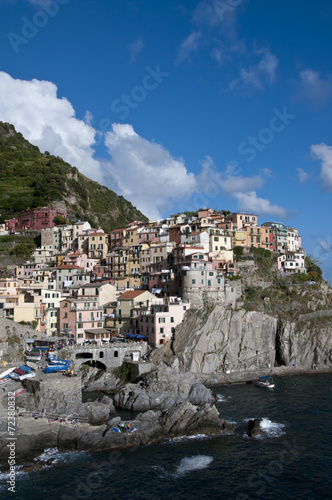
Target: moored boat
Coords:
[[267, 382], [18, 392], [6, 372]]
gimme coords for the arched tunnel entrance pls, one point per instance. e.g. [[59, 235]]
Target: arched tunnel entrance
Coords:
[[95, 364]]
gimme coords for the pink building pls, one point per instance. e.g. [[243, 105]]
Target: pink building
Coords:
[[78, 315], [241, 220], [159, 322], [292, 262], [81, 260]]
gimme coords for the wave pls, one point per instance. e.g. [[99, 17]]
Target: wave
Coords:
[[221, 398], [185, 438], [272, 429], [190, 464]]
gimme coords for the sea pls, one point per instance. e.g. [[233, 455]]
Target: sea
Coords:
[[291, 460]]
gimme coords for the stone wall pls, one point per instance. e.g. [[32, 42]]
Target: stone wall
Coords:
[[108, 357]]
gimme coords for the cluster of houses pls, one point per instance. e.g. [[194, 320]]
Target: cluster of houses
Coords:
[[137, 281]]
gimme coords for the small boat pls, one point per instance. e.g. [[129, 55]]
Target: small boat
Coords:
[[33, 355], [4, 380], [17, 373], [56, 368], [59, 362], [6, 372], [18, 392], [267, 382], [28, 375], [33, 358]]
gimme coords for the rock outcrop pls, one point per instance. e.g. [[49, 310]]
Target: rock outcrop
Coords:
[[162, 389], [181, 419], [254, 428]]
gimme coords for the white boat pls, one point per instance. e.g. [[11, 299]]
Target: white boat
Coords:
[[32, 357], [27, 375], [266, 382], [6, 372], [18, 392]]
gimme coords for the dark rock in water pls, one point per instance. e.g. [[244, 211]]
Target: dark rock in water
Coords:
[[228, 427], [254, 427]]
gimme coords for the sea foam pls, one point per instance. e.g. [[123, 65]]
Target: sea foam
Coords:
[[190, 464]]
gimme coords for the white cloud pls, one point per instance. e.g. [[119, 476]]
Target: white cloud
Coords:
[[88, 118], [188, 46], [303, 176], [135, 48], [145, 173], [256, 76], [48, 122], [252, 203], [315, 88], [213, 182], [323, 152]]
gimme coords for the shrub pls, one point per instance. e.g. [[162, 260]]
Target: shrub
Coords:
[[124, 371]]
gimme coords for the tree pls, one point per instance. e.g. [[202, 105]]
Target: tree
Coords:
[[59, 219], [238, 251], [313, 269]]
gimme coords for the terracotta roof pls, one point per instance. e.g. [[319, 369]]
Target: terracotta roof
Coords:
[[132, 294], [98, 234]]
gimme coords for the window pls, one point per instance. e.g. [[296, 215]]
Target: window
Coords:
[[193, 282], [209, 282], [66, 315], [161, 330], [161, 320], [79, 325], [172, 320]]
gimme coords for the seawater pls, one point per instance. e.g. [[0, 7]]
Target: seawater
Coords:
[[293, 460]]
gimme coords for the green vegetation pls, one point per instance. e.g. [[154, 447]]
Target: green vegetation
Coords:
[[238, 252], [18, 246], [263, 259], [125, 371], [314, 270], [300, 278], [29, 179], [234, 277], [58, 220]]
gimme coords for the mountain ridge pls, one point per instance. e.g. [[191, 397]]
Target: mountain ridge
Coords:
[[29, 178]]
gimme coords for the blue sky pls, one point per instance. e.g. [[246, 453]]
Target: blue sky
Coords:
[[177, 105]]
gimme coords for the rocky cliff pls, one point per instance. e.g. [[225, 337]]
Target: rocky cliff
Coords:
[[218, 339]]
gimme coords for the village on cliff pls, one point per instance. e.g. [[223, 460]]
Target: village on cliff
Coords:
[[89, 287]]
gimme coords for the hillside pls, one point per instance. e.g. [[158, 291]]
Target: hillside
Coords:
[[29, 179]]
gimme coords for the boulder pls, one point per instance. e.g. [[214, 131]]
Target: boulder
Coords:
[[254, 427], [162, 389], [98, 413]]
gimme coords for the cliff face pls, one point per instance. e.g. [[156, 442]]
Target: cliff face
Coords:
[[248, 341]]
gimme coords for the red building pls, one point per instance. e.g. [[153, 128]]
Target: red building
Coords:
[[35, 219]]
